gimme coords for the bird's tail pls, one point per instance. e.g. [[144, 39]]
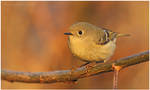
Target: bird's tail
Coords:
[[122, 35]]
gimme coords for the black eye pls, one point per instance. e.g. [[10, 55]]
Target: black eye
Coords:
[[80, 32]]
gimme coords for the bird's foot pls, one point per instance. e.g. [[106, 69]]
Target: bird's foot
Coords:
[[85, 64], [91, 64]]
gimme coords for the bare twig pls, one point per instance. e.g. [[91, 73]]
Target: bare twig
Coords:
[[72, 75], [116, 74]]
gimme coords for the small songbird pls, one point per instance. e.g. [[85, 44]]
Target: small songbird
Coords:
[[91, 43]]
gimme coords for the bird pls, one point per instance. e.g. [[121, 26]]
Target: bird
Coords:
[[91, 43]]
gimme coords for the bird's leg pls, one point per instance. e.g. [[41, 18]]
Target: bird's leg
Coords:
[[91, 64], [84, 64], [116, 74]]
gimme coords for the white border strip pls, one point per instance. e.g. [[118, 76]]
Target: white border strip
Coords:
[[75, 0], [0, 44]]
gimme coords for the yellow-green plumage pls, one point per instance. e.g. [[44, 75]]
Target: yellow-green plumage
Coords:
[[91, 43]]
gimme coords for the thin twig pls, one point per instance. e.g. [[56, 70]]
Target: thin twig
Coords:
[[69, 75], [115, 81]]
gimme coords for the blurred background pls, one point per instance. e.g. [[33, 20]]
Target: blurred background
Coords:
[[33, 40]]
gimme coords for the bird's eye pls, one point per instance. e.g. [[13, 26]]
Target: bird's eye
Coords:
[[80, 33]]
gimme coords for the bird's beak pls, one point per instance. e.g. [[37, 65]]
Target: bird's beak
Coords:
[[68, 33]]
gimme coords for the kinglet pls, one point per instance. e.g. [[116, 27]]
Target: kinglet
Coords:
[[91, 43]]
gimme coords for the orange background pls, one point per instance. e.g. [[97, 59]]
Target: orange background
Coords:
[[33, 40]]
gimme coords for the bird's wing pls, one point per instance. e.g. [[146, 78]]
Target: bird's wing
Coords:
[[106, 37]]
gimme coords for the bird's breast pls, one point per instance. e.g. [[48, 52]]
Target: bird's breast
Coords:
[[90, 51]]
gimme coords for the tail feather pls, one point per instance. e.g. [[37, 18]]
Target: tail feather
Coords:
[[122, 35]]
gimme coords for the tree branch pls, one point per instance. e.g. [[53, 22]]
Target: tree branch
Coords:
[[72, 75]]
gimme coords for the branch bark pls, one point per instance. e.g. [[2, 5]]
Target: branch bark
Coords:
[[72, 75]]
